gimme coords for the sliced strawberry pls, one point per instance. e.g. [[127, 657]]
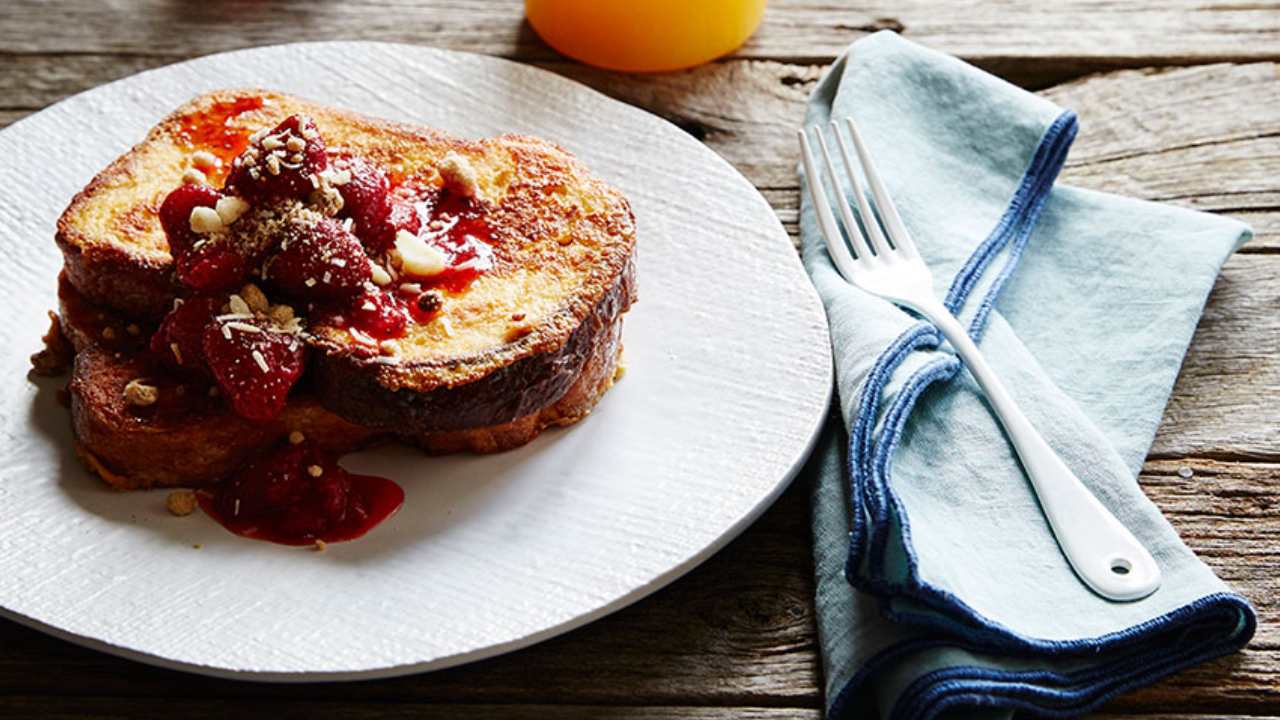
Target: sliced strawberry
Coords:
[[175, 214], [179, 341], [376, 313], [403, 216], [366, 200], [380, 314], [280, 165], [203, 262], [319, 261], [215, 265], [254, 368]]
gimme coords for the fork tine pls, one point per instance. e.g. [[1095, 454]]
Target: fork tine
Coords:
[[864, 208], [840, 255], [892, 221], [861, 248]]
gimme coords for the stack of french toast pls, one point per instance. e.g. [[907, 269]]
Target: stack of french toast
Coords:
[[262, 271]]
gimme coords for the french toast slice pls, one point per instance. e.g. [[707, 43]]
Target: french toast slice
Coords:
[[532, 342], [184, 437]]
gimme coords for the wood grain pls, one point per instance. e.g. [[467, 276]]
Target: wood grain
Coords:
[[1223, 402], [100, 709], [103, 708], [1034, 42], [1206, 137], [736, 638]]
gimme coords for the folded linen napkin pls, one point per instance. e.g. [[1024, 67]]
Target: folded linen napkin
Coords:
[[939, 585]]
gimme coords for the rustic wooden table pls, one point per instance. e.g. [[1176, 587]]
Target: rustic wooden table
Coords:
[[1180, 102]]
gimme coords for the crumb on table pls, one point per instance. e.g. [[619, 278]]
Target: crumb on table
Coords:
[[181, 502]]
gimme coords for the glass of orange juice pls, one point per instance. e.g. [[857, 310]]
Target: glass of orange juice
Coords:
[[644, 35]]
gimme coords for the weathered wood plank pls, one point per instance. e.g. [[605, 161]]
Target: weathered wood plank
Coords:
[[747, 111], [1266, 230], [1207, 137], [1223, 403], [1157, 110], [1227, 513], [1034, 42], [30, 82], [102, 708]]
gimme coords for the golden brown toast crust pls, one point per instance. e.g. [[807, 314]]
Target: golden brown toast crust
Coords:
[[601, 369], [86, 325], [518, 390]]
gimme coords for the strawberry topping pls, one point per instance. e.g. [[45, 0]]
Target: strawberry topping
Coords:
[[255, 364], [203, 261], [299, 494], [403, 216], [282, 164], [366, 200], [179, 341], [379, 315], [318, 261]]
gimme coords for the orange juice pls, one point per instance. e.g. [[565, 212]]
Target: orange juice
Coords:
[[644, 35]]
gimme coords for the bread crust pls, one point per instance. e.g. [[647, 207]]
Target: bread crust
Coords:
[[519, 390], [602, 368], [141, 287]]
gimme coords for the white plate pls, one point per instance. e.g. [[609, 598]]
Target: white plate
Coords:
[[729, 379]]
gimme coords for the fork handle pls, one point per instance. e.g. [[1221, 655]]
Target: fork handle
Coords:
[[1106, 556]]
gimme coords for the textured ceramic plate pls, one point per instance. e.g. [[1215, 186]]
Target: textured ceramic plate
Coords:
[[728, 381]]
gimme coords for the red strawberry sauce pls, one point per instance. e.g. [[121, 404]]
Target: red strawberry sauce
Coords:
[[210, 129], [297, 495]]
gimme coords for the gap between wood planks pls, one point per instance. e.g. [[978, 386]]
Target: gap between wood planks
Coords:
[[90, 708], [1037, 44]]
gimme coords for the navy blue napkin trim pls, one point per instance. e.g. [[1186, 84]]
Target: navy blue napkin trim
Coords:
[[1148, 653], [1210, 627], [1017, 222]]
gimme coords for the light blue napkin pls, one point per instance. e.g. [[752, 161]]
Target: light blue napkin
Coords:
[[1084, 303]]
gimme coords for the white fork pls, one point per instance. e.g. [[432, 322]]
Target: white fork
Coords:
[[1104, 554]]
